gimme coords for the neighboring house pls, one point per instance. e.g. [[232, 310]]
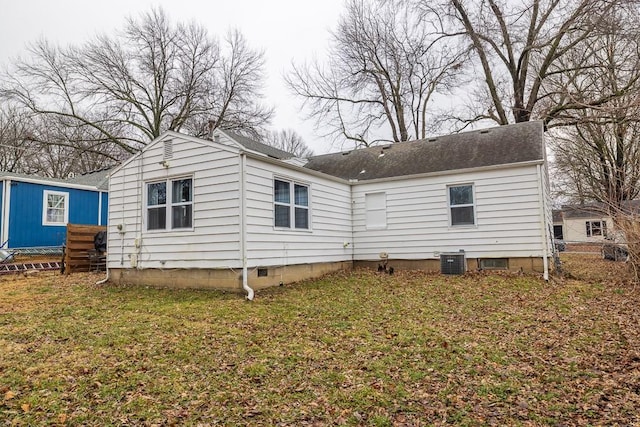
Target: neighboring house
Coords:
[[588, 223], [230, 213], [34, 211]]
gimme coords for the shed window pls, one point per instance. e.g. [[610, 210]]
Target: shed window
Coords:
[[461, 205], [376, 210], [56, 208], [170, 204], [596, 228], [290, 204]]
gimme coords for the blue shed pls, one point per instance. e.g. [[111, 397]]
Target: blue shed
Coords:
[[35, 211]]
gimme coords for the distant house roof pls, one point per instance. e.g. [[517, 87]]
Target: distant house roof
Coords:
[[597, 210], [253, 145], [556, 215], [522, 142], [98, 179]]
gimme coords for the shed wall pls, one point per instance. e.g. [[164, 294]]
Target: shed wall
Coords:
[[25, 224]]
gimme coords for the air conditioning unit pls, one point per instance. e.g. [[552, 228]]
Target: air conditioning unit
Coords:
[[453, 263]]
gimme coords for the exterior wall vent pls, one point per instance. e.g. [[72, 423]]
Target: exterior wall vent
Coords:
[[168, 150], [453, 263]]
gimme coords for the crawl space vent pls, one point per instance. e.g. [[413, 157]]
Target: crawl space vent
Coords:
[[452, 263]]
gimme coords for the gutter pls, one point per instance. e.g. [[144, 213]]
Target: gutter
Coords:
[[243, 226], [543, 225]]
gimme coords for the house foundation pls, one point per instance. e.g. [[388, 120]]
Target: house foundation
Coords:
[[225, 279], [264, 277]]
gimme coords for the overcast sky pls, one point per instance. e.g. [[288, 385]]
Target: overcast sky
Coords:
[[286, 29]]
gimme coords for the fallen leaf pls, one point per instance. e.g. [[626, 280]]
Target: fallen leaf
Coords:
[[9, 395], [25, 407]]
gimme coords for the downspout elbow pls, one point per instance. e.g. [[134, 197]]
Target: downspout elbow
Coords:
[[105, 280]]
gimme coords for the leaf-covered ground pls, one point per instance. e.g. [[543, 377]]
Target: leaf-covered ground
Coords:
[[350, 349]]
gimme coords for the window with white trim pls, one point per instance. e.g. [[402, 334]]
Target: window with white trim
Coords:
[[290, 204], [170, 204], [376, 210], [596, 228], [55, 208], [461, 205]]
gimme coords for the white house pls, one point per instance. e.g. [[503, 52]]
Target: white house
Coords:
[[231, 213]]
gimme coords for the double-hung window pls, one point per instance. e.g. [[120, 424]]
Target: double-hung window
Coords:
[[290, 204], [596, 228], [55, 208], [461, 205], [170, 204]]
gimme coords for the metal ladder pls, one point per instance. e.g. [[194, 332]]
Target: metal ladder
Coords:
[[26, 266]]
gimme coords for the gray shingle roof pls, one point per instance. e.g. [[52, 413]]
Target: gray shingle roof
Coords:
[[18, 176], [597, 210], [98, 179], [509, 144], [252, 145]]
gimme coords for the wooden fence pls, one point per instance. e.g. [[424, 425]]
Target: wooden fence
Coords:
[[79, 252]]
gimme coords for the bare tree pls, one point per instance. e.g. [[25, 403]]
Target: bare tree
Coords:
[[519, 47], [288, 140], [15, 148], [154, 76], [382, 74], [598, 149]]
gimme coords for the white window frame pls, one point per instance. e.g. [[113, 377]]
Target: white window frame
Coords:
[[464, 205], [375, 203], [168, 205], [602, 228], [45, 205], [292, 205]]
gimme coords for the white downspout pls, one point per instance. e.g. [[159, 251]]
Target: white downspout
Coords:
[[243, 226], [99, 207], [6, 207], [543, 224]]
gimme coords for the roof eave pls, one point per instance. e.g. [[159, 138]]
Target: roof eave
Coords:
[[448, 172]]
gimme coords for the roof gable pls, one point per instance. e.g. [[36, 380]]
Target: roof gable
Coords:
[[170, 135], [510, 144]]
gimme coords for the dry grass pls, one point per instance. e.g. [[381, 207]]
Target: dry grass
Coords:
[[356, 349]]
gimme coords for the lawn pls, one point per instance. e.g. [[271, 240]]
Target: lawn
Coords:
[[350, 349]]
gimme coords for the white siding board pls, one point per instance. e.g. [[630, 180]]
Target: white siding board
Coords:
[[214, 240], [330, 219], [418, 217]]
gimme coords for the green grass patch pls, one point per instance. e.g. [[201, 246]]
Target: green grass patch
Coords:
[[349, 349]]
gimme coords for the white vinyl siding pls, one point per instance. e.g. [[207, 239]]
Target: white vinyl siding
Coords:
[[214, 239], [376, 206], [55, 210], [329, 219], [507, 217]]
